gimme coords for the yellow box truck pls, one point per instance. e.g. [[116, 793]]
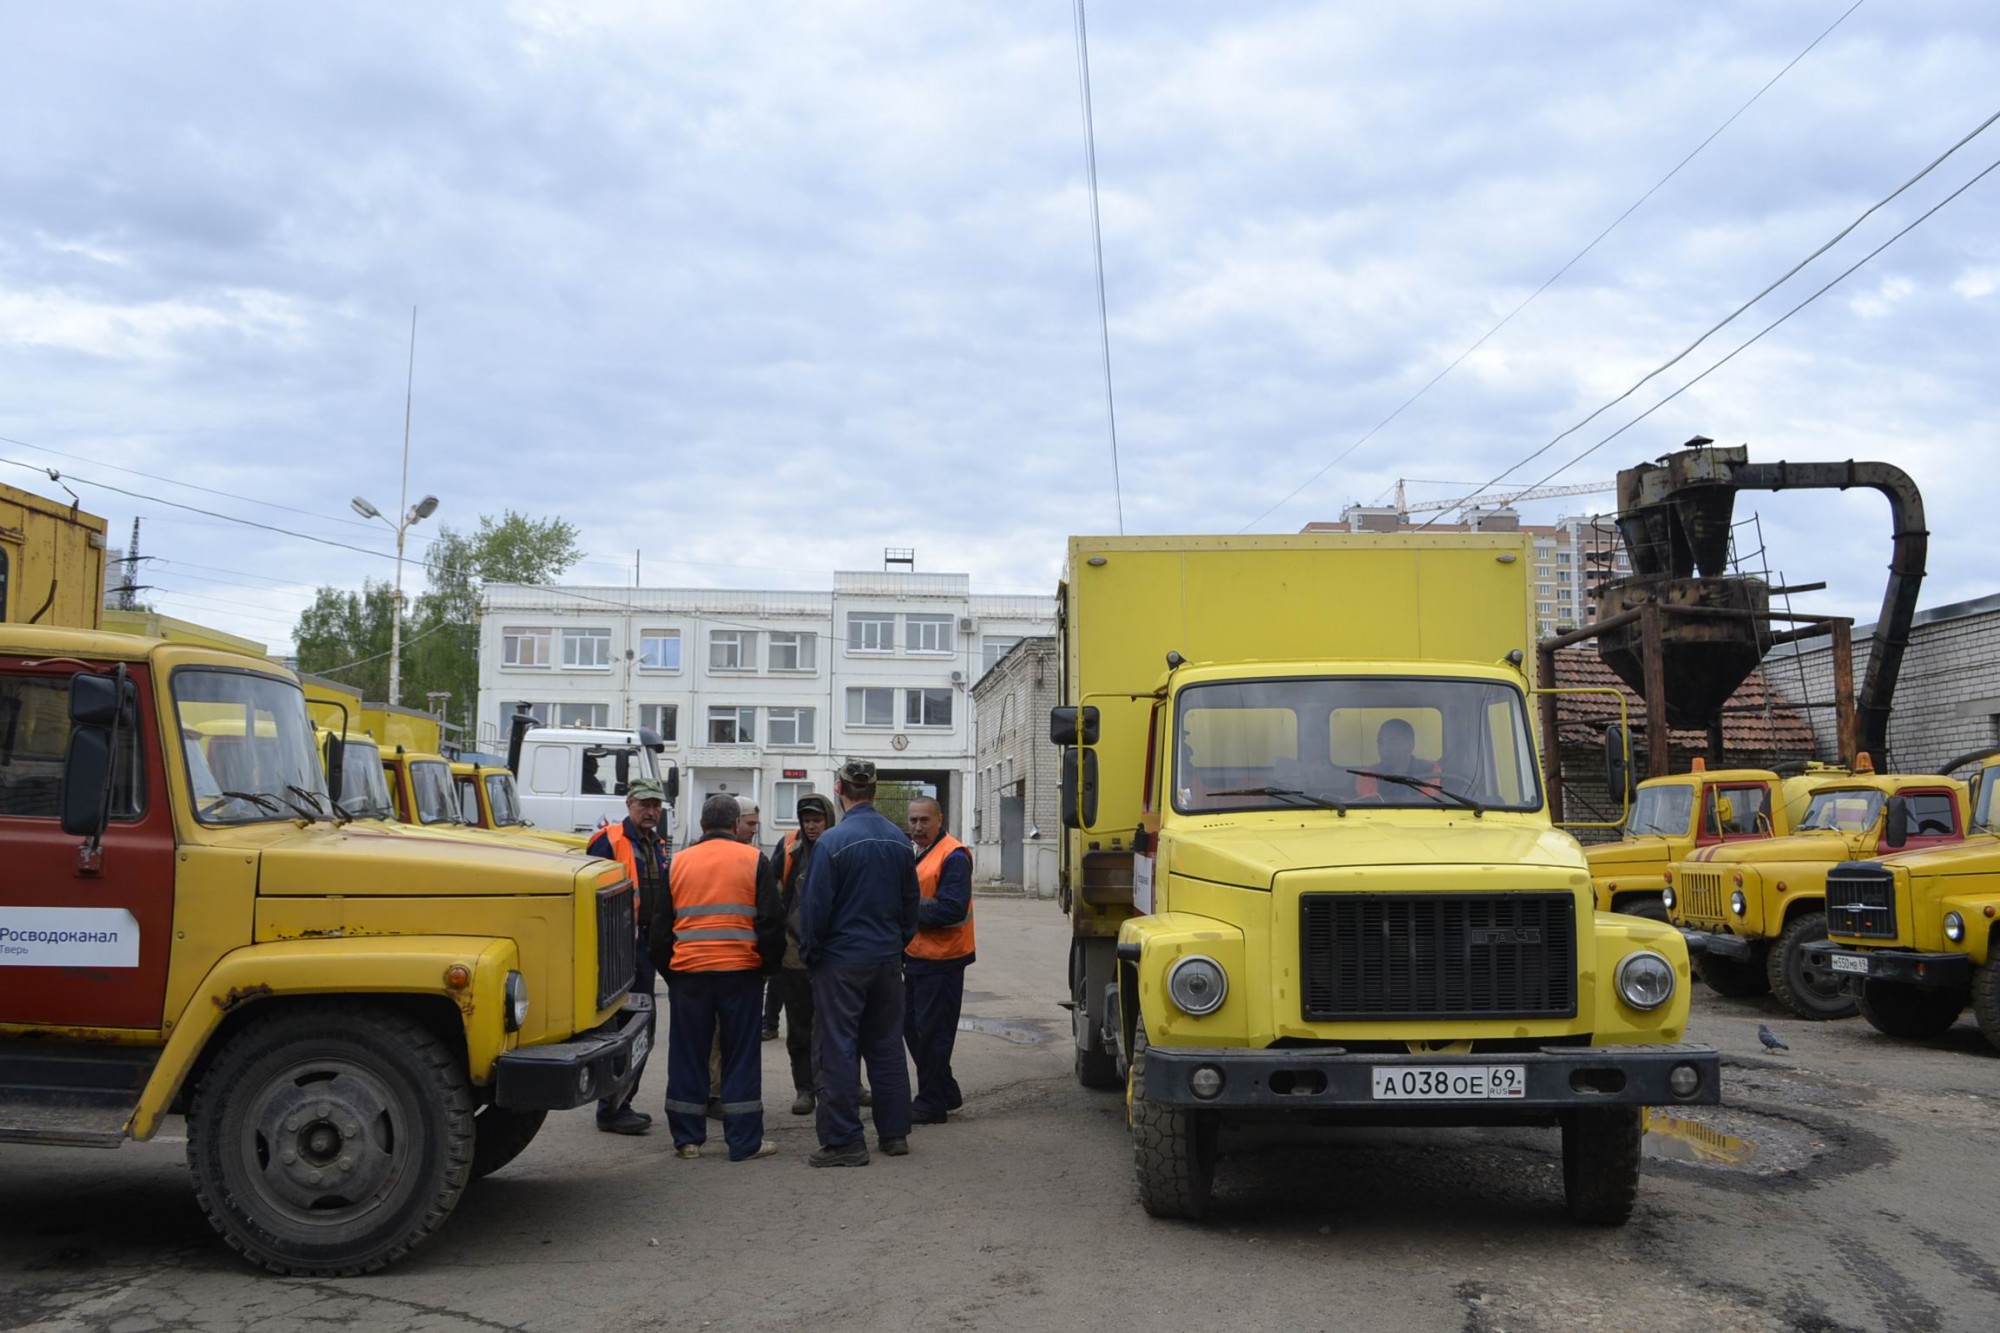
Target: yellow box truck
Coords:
[[51, 562], [1309, 865]]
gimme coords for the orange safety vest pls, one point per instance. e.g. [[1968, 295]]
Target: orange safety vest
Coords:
[[944, 942], [626, 855], [714, 885]]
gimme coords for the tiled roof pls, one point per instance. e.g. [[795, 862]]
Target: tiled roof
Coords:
[[1760, 722]]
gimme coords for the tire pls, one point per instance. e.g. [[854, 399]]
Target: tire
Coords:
[[1740, 979], [498, 1136], [1098, 1070], [1897, 1010], [1601, 1163], [1807, 988], [1647, 905], [1986, 1000], [1173, 1151], [364, 1097]]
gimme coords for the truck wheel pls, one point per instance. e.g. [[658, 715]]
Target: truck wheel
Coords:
[[1647, 905], [1986, 999], [499, 1135], [1097, 1069], [1601, 1163], [1802, 978], [1738, 978], [329, 1141], [1897, 1010], [1172, 1150]]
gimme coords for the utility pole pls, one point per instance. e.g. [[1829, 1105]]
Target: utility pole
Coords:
[[407, 516]]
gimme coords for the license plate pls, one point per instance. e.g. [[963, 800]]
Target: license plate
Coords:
[[1448, 1083], [1847, 962]]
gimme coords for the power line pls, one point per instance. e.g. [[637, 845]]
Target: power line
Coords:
[[1782, 278], [1097, 251], [1553, 278], [364, 661]]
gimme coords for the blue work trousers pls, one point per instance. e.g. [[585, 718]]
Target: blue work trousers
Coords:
[[701, 1003], [857, 1018], [933, 992], [643, 983]]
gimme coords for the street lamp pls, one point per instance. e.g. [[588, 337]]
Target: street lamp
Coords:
[[413, 515]]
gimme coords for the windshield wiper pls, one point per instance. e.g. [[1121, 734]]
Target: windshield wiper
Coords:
[[1435, 785], [320, 806], [1320, 802], [262, 800]]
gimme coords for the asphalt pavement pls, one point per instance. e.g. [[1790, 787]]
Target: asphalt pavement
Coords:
[[1842, 1185]]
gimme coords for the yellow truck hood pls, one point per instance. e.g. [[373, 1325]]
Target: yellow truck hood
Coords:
[[1252, 855], [376, 860], [1828, 847], [1610, 857]]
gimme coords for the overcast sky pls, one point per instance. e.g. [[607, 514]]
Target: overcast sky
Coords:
[[759, 290]]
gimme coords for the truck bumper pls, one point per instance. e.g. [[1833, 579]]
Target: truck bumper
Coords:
[[1328, 1078], [1716, 943], [564, 1074], [1903, 967]]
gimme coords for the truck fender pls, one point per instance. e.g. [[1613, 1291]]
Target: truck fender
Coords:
[[1614, 936], [343, 967], [1148, 946], [1979, 929]]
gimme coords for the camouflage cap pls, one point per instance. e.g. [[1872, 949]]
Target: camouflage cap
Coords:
[[860, 772], [645, 789]]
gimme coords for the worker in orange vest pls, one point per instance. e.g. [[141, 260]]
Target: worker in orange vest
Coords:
[[637, 843], [715, 940], [934, 963]]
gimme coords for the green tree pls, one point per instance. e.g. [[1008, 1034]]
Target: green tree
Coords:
[[345, 635]]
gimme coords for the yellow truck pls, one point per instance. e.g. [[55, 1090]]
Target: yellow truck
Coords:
[[1912, 934], [51, 562], [488, 799], [1674, 817], [355, 1020], [1754, 913], [1309, 866]]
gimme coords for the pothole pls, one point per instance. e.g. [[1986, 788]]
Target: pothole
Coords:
[[1731, 1139], [1020, 1034]]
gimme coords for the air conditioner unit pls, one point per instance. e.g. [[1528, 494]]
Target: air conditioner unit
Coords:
[[965, 624], [958, 678]]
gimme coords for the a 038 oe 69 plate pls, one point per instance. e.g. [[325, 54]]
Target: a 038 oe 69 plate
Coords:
[[1448, 1083]]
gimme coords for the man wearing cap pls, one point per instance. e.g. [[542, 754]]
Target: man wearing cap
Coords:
[[635, 843], [789, 985], [714, 939], [934, 964], [857, 913]]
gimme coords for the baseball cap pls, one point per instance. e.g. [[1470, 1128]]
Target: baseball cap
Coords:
[[645, 789], [860, 772]]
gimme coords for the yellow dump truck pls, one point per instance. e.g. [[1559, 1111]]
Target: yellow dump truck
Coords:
[[1912, 934], [1754, 913], [1309, 866], [51, 562], [1674, 817], [356, 1020]]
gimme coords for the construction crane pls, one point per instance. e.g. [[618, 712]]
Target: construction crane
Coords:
[[1499, 498]]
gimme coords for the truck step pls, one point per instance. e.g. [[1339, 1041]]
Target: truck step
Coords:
[[74, 1094]]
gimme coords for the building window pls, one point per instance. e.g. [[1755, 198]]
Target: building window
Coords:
[[927, 708], [790, 726], [785, 798], [794, 652], [662, 719], [582, 715], [589, 649], [732, 726], [993, 647], [930, 634], [732, 650], [871, 706], [660, 650], [871, 632], [527, 647]]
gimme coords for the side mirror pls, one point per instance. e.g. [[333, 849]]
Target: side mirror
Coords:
[[336, 769], [100, 701], [1077, 787], [1073, 726], [86, 779], [673, 783], [1618, 762], [1896, 822]]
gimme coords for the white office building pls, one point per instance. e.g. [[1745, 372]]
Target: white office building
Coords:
[[762, 693]]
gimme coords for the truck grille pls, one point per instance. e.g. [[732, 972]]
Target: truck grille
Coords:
[[1438, 955], [617, 943], [1861, 902], [1698, 893]]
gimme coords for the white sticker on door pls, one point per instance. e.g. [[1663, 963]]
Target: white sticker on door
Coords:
[[68, 937]]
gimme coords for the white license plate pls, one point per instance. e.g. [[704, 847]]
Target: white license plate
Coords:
[[1448, 1083], [1847, 962]]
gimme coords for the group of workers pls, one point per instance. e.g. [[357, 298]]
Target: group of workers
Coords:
[[857, 932]]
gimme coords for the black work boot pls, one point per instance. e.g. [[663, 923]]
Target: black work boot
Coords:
[[847, 1154]]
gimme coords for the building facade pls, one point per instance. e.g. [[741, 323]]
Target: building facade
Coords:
[[761, 693], [1016, 826]]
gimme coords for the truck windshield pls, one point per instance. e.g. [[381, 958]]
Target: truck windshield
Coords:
[[1666, 812], [500, 795], [1845, 811], [1349, 740], [249, 746], [609, 769], [1989, 810], [436, 801], [364, 792]]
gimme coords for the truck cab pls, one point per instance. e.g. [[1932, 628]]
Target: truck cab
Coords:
[[1673, 817], [355, 1020], [1754, 913], [488, 799], [573, 779], [1912, 934]]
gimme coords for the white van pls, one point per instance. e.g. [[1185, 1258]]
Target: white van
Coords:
[[576, 777]]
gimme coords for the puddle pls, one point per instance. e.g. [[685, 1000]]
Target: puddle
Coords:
[[1020, 1034], [1731, 1139], [980, 997], [1677, 1139]]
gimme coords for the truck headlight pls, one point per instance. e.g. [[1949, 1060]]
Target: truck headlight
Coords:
[[1645, 980], [517, 1001], [1197, 985], [1954, 927], [1667, 898], [1738, 903]]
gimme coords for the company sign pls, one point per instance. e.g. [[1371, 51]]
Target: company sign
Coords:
[[68, 937]]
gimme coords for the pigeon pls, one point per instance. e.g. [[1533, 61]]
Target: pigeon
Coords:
[[1770, 1039]]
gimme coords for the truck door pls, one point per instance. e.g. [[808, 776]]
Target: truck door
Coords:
[[80, 949], [1734, 812]]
